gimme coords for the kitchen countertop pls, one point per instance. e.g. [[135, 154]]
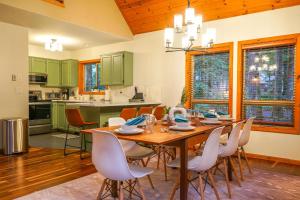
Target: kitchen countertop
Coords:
[[103, 103]]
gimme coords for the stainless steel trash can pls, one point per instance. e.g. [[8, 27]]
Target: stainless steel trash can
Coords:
[[14, 135]]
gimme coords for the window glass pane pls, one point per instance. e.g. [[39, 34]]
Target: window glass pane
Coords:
[[269, 73], [217, 107], [211, 74], [278, 115], [90, 79], [100, 87]]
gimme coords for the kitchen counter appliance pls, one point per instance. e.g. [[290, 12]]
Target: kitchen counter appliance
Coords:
[[36, 78], [39, 114]]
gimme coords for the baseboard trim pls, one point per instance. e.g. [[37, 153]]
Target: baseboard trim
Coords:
[[275, 159]]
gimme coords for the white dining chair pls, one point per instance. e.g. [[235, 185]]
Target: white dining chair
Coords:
[[225, 153], [133, 151], [202, 164], [110, 161], [244, 139]]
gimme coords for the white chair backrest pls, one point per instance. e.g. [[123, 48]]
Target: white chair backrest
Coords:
[[211, 148], [116, 121], [233, 141], [119, 121], [177, 109], [108, 156], [245, 135]]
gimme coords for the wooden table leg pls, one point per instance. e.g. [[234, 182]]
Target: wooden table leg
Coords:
[[114, 189], [183, 170], [229, 169]]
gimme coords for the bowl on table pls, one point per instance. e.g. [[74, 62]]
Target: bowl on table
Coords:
[[128, 128], [183, 124]]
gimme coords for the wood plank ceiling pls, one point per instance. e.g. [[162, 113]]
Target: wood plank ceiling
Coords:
[[151, 15]]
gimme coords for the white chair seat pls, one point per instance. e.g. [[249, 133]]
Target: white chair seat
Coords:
[[138, 152], [139, 172], [195, 163]]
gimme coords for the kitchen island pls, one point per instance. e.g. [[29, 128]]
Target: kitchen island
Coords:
[[97, 111]]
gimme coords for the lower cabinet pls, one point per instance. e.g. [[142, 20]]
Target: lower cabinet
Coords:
[[59, 120]]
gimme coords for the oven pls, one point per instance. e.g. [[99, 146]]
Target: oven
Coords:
[[39, 117]]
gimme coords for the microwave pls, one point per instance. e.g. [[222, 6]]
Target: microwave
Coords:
[[37, 78]]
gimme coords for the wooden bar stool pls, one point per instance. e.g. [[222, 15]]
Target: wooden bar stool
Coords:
[[159, 112], [145, 110], [75, 119], [128, 113]]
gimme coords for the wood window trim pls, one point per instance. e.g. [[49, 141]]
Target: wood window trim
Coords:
[[264, 43], [217, 48], [81, 78], [55, 2]]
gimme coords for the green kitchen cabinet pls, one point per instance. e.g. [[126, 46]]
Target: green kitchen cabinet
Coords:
[[117, 69], [54, 73], [54, 115], [38, 65], [61, 116], [106, 64], [69, 73]]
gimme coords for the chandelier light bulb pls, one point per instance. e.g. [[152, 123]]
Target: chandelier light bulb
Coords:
[[169, 37], [189, 15], [192, 32], [212, 35], [53, 45], [185, 42], [199, 22], [178, 21]]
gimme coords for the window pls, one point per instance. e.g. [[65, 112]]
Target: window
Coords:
[[209, 79], [89, 77], [268, 85]]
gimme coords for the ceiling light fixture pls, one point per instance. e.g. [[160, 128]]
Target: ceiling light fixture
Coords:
[[191, 29], [53, 45]]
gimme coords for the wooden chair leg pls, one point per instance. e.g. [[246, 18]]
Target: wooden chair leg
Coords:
[[66, 141], [213, 183], [102, 189], [246, 159], [226, 177], [240, 164], [158, 156], [121, 192], [234, 171], [201, 188], [175, 187], [139, 187], [148, 176], [165, 163]]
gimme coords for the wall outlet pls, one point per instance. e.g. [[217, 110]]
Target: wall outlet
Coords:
[[14, 77]]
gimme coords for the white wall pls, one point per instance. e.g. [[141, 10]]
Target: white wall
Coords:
[[14, 60], [39, 51], [164, 72]]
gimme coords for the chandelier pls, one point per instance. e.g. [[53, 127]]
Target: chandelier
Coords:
[[53, 45], [191, 29]]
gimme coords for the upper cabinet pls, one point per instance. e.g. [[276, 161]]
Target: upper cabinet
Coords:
[[117, 69], [59, 73], [69, 73], [54, 73], [38, 65]]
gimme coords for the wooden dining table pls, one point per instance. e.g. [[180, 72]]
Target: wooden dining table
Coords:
[[181, 139]]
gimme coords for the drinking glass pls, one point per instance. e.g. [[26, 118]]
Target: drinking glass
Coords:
[[150, 121]]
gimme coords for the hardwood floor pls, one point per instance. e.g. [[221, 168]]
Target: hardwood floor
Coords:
[[42, 168], [39, 169]]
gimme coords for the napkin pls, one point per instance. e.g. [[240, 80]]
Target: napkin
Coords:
[[135, 121], [221, 113], [181, 118], [209, 115]]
